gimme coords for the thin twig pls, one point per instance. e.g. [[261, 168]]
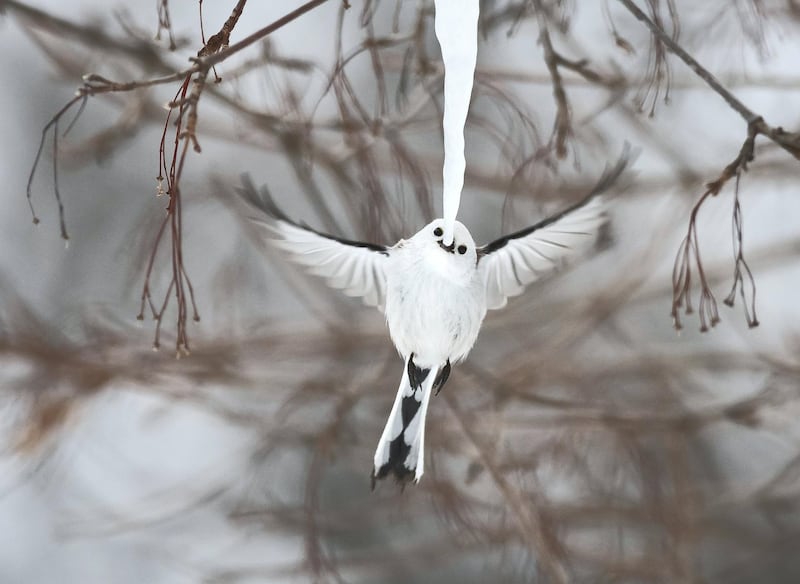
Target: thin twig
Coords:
[[544, 545], [562, 127], [186, 102], [681, 275], [165, 23], [684, 56], [789, 141], [53, 123]]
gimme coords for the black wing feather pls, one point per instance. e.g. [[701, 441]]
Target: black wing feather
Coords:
[[262, 200], [355, 267], [609, 177]]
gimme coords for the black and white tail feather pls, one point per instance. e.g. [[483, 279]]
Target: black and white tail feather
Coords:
[[401, 447], [434, 296]]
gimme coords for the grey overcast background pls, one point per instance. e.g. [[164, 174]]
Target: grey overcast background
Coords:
[[143, 482]]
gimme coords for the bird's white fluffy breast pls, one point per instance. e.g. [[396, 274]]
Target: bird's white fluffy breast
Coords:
[[435, 303]]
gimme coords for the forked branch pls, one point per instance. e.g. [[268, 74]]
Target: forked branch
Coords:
[[171, 160], [689, 251], [789, 141]]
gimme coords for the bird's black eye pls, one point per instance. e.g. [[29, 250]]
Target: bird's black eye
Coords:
[[462, 249], [438, 232]]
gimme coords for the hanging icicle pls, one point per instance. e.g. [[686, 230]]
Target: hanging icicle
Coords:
[[456, 25]]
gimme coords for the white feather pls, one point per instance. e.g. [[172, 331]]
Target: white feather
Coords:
[[415, 433], [357, 271], [414, 436], [523, 260], [435, 299], [394, 424]]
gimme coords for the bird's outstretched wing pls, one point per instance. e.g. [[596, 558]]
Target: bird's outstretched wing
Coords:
[[512, 262], [355, 267]]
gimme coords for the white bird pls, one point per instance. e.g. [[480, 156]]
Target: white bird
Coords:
[[434, 296]]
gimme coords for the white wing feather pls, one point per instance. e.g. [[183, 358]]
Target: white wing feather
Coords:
[[513, 262], [356, 269]]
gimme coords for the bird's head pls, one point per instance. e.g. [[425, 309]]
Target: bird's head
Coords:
[[461, 253]]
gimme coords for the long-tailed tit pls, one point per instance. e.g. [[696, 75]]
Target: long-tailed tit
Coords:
[[434, 296]]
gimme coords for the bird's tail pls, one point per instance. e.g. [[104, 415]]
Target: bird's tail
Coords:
[[401, 449]]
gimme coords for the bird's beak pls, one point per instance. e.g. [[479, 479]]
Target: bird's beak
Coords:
[[448, 248]]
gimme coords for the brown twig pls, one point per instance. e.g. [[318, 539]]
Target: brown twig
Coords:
[[53, 123], [186, 102], [221, 40], [165, 23], [789, 141], [542, 543], [689, 249], [658, 73], [562, 127], [741, 268]]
